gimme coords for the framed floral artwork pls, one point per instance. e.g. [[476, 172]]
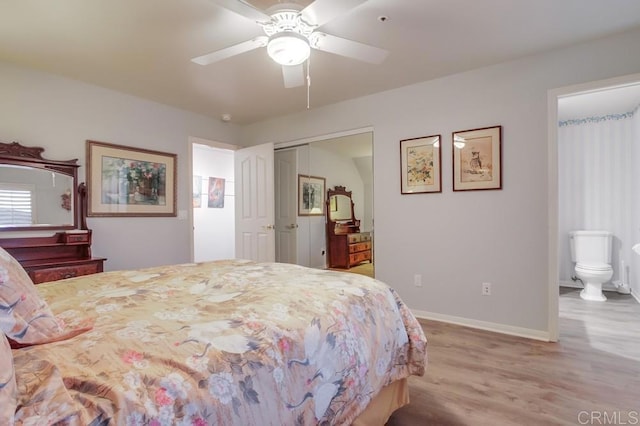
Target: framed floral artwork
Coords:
[[420, 160], [477, 159], [125, 181]]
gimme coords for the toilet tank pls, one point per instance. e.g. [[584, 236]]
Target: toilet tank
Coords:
[[590, 247]]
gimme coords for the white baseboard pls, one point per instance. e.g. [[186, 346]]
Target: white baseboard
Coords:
[[484, 325]]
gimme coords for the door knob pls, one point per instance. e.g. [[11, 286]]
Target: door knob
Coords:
[[292, 226], [269, 227]]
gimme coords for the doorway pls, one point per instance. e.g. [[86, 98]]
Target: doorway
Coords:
[[232, 213], [213, 202], [300, 239], [588, 110]]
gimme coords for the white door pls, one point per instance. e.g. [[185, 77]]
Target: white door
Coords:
[[286, 206], [255, 235]]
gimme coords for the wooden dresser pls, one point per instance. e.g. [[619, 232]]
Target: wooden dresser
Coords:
[[347, 246], [62, 255], [347, 250], [359, 248], [53, 197]]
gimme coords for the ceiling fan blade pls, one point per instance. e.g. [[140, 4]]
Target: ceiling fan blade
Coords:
[[244, 9], [230, 51], [293, 75], [350, 49], [322, 11]]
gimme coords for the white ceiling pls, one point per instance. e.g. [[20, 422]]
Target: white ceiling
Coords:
[[144, 47]]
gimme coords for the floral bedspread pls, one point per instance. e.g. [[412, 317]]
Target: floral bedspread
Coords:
[[218, 343]]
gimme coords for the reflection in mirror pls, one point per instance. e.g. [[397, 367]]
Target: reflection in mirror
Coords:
[[36, 193], [339, 208], [32, 197]]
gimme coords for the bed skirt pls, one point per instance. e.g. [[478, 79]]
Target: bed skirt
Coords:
[[390, 398]]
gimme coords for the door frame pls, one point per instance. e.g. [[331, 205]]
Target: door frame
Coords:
[[304, 141], [552, 186]]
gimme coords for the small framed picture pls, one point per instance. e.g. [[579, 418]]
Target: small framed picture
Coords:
[[311, 193], [216, 193], [477, 159], [420, 160]]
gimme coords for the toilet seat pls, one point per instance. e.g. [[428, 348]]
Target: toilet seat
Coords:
[[595, 267]]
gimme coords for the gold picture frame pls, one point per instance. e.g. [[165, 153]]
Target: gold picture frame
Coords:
[[477, 159], [420, 165], [125, 181]]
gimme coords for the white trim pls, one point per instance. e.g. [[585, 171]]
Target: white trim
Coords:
[[553, 304], [295, 142], [552, 184], [483, 325]]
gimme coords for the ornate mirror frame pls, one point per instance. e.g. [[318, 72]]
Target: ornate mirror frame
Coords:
[[18, 155], [341, 225]]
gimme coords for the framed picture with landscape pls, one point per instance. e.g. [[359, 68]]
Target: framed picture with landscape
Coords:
[[420, 160], [477, 159], [311, 193], [125, 181]]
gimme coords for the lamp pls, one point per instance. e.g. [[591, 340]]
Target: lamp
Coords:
[[288, 48]]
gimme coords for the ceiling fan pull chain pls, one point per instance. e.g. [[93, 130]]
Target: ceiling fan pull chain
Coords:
[[308, 80]]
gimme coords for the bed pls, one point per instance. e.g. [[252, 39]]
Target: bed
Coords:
[[217, 343]]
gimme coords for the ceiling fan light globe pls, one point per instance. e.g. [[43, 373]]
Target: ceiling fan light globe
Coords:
[[288, 48]]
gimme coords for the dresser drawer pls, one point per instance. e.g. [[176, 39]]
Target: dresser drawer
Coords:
[[76, 238], [359, 257], [62, 272], [354, 248]]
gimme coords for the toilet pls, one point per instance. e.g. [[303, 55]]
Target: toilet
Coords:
[[591, 252]]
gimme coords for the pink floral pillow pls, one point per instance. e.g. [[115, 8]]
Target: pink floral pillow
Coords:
[[7, 383], [24, 316]]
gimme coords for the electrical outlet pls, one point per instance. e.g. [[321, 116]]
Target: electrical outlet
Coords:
[[486, 289], [417, 280]]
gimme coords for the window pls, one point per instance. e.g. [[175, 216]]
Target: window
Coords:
[[16, 204]]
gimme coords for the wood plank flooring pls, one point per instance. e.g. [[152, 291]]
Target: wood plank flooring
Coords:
[[362, 269], [591, 376]]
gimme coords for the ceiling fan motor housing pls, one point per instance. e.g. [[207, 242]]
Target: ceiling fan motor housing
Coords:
[[288, 38]]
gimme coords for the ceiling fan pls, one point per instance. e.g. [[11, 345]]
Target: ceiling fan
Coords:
[[290, 34]]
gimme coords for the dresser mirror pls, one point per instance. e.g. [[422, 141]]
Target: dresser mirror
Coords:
[[36, 193], [340, 207]]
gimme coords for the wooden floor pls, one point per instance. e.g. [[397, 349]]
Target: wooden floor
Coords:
[[362, 269], [476, 377]]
